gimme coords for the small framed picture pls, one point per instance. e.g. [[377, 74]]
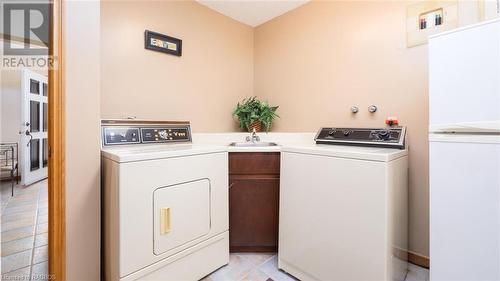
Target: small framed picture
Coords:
[[162, 43], [425, 18]]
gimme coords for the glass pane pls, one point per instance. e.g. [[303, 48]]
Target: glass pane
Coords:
[[45, 89], [34, 116], [34, 154], [34, 87], [45, 116], [45, 152]]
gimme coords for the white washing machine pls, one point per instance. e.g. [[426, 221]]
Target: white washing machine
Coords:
[[343, 207], [165, 205]]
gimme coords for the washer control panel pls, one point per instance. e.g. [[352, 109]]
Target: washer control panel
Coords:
[[393, 137], [120, 132], [164, 134]]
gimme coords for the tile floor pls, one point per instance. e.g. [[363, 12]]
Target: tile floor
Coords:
[[24, 231], [417, 273], [24, 244], [264, 267]]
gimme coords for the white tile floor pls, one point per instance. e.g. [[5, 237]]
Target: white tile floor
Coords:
[[24, 244], [417, 273], [264, 267], [24, 233], [251, 267]]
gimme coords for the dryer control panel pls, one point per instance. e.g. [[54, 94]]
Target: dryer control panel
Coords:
[[393, 137], [120, 132]]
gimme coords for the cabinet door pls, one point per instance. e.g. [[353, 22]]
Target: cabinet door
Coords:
[[253, 213]]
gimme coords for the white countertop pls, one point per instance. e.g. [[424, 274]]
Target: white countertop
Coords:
[[352, 152], [127, 153], [299, 143], [281, 139], [219, 142]]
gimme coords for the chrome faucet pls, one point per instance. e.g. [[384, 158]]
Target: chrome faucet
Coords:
[[253, 137]]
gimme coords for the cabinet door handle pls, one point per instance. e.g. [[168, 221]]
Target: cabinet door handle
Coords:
[[231, 185], [164, 221]]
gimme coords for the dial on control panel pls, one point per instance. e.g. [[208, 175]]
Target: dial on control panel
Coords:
[[384, 134]]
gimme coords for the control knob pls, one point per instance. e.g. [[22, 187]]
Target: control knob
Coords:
[[383, 134], [346, 132], [163, 134]]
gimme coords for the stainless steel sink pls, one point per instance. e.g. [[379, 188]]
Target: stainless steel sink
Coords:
[[252, 144]]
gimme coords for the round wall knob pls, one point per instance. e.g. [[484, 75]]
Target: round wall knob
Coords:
[[354, 109], [372, 108]]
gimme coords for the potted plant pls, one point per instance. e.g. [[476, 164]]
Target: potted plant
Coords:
[[255, 114]]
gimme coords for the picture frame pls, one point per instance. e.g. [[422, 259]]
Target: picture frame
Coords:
[[162, 43], [426, 18]]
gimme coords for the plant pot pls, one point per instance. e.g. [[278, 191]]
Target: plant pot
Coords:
[[257, 125]]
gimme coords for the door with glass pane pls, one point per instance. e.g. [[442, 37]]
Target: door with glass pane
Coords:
[[34, 141]]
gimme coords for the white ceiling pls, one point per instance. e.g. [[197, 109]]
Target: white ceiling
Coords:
[[252, 12]]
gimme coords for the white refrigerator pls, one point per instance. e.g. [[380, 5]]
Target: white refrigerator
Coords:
[[464, 152]]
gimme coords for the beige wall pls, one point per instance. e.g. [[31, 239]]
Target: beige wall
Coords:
[[317, 61], [81, 38], [322, 58], [214, 72], [314, 62]]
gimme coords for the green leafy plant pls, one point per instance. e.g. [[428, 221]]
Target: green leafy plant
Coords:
[[251, 110]]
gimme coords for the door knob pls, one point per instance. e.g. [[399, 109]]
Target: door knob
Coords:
[[30, 135], [27, 124]]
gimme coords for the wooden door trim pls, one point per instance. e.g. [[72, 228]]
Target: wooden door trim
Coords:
[[57, 224], [418, 259]]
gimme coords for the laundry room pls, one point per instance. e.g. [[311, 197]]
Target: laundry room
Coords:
[[269, 140], [315, 62]]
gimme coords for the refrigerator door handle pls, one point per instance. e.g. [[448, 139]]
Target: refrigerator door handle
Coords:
[[467, 127]]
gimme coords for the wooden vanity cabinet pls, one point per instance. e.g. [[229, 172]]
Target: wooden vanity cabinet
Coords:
[[253, 201]]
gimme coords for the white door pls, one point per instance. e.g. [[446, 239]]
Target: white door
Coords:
[[465, 208], [34, 137]]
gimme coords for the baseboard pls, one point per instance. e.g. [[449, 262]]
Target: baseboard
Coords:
[[255, 249], [418, 259]]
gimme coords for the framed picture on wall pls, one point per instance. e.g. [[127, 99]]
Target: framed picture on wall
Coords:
[[162, 43]]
